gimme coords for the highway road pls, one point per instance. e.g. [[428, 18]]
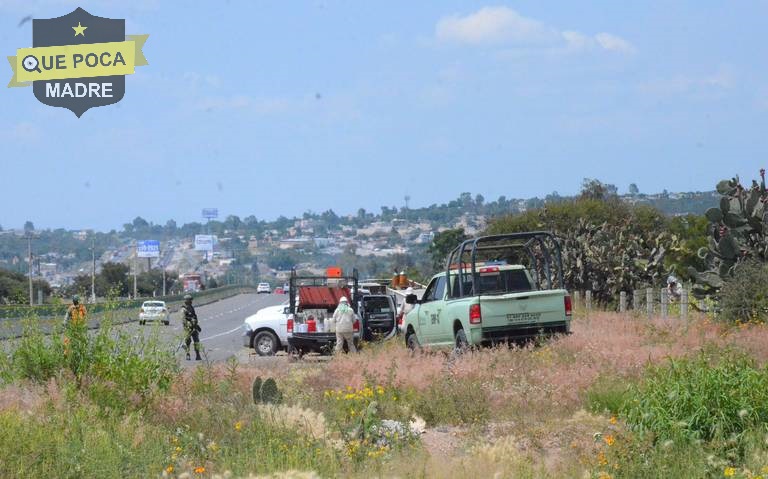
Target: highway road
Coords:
[[221, 322]]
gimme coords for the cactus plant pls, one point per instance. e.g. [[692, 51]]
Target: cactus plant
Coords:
[[256, 390], [266, 391], [270, 393], [738, 231]]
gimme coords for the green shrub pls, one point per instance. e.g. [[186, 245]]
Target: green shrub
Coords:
[[608, 393], [116, 370], [744, 297], [453, 401], [713, 399]]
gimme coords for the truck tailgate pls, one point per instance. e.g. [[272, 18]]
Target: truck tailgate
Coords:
[[526, 308]]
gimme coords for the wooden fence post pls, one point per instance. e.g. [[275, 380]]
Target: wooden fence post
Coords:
[[684, 304], [623, 302], [576, 299], [588, 300], [636, 301], [664, 302], [649, 302]]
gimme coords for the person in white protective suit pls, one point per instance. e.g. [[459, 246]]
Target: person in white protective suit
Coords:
[[344, 319]]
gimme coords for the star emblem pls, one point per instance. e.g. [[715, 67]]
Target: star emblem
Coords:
[[79, 29]]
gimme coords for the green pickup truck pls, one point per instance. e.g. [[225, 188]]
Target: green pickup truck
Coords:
[[510, 289]]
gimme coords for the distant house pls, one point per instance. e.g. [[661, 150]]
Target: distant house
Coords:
[[295, 243], [324, 242], [425, 238]]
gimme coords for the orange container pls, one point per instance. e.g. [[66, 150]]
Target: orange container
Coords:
[[403, 280], [333, 272], [311, 325]]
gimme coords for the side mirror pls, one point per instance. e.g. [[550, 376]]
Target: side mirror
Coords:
[[411, 299]]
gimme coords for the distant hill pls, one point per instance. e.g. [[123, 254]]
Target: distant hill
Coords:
[[676, 204]]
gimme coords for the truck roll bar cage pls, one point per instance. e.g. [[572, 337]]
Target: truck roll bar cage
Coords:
[[526, 241]]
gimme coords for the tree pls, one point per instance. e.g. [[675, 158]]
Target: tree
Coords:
[[443, 243], [115, 277], [140, 223], [633, 189], [233, 222], [29, 227], [170, 227], [479, 200]]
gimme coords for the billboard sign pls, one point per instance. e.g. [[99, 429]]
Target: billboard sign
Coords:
[[210, 213], [148, 249], [204, 242]]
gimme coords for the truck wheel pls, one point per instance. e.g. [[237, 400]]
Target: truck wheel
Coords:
[[461, 341], [413, 342], [142, 322], [265, 343], [166, 322]]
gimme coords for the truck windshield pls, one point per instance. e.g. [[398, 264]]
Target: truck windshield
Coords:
[[377, 305], [498, 282]]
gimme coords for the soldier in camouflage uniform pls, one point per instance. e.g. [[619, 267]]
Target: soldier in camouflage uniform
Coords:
[[191, 327]]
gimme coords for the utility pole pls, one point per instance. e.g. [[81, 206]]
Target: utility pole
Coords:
[[29, 271], [135, 272], [93, 270]]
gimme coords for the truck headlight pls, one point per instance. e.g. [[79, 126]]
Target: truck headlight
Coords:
[[247, 328]]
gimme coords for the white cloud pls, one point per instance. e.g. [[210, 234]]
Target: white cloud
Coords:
[[493, 25], [505, 26], [613, 43]]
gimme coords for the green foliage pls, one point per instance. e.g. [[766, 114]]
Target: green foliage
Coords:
[[14, 287], [371, 420], [256, 390], [713, 399], [608, 246], [453, 401], [738, 230], [443, 243], [634, 457], [266, 391], [114, 369], [744, 295], [608, 394]]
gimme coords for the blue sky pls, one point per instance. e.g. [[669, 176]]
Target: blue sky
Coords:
[[272, 108]]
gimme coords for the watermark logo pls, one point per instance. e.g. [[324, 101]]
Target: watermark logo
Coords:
[[78, 61]]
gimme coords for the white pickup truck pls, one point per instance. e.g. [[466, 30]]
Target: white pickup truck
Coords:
[[267, 330]]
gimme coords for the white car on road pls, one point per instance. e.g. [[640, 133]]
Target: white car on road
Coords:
[[267, 330], [154, 311], [263, 288]]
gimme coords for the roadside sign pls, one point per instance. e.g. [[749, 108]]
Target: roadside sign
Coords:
[[204, 242], [148, 249], [210, 213]]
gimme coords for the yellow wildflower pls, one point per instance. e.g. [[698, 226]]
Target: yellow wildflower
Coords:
[[380, 390], [178, 449], [238, 425], [609, 439], [169, 469], [729, 472], [199, 470], [613, 420]]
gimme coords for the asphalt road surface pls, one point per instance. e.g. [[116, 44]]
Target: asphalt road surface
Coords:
[[221, 322]]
